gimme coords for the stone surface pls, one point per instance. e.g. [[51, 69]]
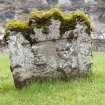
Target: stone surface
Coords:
[[98, 45], [52, 57]]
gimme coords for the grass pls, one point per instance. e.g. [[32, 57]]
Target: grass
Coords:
[[89, 91]]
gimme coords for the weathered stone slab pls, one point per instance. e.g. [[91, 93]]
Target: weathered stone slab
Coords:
[[51, 56]]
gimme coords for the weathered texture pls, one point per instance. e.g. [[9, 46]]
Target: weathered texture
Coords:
[[40, 50], [98, 45], [51, 57]]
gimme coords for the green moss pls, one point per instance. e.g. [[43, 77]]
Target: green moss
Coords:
[[68, 21], [81, 16], [15, 25], [19, 26], [43, 19]]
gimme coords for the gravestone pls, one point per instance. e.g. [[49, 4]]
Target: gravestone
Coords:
[[50, 46]]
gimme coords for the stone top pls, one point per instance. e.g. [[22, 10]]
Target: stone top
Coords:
[[43, 19]]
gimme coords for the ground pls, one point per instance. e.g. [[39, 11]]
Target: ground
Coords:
[[84, 91]]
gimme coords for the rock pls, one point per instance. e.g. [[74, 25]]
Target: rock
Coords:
[[50, 57], [101, 18]]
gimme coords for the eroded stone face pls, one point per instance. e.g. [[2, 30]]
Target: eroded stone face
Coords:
[[52, 57]]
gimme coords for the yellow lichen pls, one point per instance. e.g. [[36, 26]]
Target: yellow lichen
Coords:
[[16, 24], [85, 18], [69, 19], [43, 19]]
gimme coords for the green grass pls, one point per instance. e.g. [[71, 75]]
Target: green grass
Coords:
[[88, 91]]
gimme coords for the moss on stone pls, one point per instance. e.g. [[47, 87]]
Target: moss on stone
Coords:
[[15, 25], [19, 26], [43, 19], [81, 16], [68, 21]]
